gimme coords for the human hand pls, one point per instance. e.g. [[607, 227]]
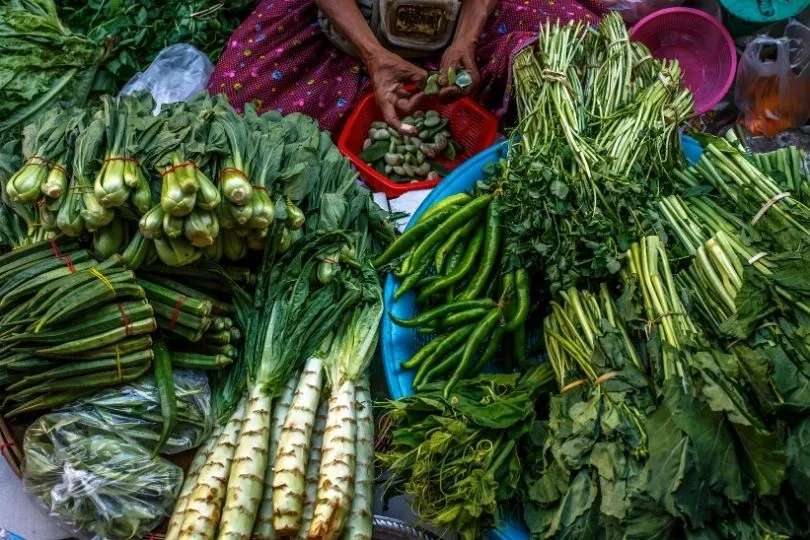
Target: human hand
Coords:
[[460, 54], [393, 77]]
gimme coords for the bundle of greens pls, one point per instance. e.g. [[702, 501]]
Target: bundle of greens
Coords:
[[457, 457], [69, 325], [584, 473], [96, 478], [577, 190]]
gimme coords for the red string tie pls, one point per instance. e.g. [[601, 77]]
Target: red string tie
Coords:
[[176, 312]]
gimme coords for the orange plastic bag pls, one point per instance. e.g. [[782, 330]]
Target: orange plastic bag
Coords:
[[773, 79]]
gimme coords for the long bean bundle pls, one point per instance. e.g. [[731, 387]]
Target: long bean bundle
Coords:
[[69, 326]]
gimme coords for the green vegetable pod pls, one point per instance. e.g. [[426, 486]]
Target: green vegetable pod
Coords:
[[176, 251], [151, 223], [201, 228], [56, 183], [25, 187], [110, 189], [235, 185], [109, 240]]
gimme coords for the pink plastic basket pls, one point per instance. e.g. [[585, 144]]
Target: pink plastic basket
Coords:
[[700, 43]]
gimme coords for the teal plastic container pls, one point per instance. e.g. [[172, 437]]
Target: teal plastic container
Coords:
[[399, 344], [743, 17]]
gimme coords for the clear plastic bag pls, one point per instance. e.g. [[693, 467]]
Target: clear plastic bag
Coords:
[[133, 411], [176, 74], [96, 480], [633, 11], [773, 79]]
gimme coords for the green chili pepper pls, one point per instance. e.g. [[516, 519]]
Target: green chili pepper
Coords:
[[442, 311], [458, 219], [451, 202], [521, 312], [422, 353], [477, 337], [489, 353], [413, 278], [443, 367], [449, 245], [464, 267], [448, 343], [411, 236], [491, 246]]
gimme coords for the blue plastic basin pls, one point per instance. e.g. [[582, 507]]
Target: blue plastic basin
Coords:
[[399, 344]]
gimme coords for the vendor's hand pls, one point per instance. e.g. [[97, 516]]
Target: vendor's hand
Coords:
[[391, 75], [458, 55]]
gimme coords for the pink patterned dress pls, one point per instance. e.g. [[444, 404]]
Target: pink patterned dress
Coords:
[[280, 59]]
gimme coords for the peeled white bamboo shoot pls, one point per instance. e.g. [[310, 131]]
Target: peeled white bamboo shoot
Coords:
[[313, 469], [361, 514], [263, 528], [246, 480], [203, 512], [190, 482], [336, 482], [293, 451]]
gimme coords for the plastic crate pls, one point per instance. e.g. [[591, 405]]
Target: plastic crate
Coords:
[[399, 344], [471, 126]]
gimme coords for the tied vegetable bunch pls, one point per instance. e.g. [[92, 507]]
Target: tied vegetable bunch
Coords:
[[43, 179], [579, 189], [71, 325], [129, 126]]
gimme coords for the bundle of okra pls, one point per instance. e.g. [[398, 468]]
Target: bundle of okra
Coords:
[[200, 327], [452, 259], [70, 325]]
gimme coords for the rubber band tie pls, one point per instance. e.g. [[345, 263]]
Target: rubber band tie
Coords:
[[234, 170], [180, 166], [758, 256], [6, 444], [127, 329], [65, 258], [102, 278], [176, 313], [773, 200], [599, 380]]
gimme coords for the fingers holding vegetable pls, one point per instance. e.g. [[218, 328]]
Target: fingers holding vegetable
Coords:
[[458, 75], [390, 75]]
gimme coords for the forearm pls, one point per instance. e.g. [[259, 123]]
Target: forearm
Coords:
[[472, 18], [346, 17]]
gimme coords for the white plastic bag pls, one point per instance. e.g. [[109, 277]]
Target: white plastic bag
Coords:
[[633, 11], [773, 79], [177, 73]]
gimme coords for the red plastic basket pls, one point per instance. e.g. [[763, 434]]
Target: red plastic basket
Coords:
[[472, 126]]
